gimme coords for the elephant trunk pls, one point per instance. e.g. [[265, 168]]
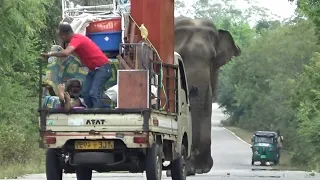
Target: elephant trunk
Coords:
[[214, 84]]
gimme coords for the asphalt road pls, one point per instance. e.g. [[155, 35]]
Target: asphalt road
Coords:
[[232, 161]]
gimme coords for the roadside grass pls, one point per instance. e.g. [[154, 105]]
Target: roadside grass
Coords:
[[285, 158], [12, 170]]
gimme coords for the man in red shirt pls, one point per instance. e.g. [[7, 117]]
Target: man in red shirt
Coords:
[[92, 57]]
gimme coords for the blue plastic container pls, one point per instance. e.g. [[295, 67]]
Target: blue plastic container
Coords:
[[107, 41]]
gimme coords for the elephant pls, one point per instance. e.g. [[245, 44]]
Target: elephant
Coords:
[[204, 49]]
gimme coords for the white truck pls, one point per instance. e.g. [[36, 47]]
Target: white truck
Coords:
[[121, 139]]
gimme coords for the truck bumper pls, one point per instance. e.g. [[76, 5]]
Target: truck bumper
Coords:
[[129, 139]]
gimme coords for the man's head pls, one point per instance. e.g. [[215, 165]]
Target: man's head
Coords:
[[65, 32], [73, 87], [278, 132]]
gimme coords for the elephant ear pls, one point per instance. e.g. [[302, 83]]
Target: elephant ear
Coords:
[[226, 48]]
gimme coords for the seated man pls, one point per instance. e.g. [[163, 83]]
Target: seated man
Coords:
[[71, 97]]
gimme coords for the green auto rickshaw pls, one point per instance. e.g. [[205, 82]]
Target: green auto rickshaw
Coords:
[[264, 147]]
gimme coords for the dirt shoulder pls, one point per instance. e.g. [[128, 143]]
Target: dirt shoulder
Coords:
[[11, 170]]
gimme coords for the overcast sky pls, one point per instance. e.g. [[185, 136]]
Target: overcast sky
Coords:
[[282, 8]]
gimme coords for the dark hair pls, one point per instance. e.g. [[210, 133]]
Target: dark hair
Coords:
[[65, 29], [278, 132], [70, 84]]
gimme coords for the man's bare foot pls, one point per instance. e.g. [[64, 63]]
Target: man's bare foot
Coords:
[[67, 105], [61, 88]]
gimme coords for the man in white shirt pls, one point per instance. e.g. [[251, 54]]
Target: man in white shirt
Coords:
[[279, 144]]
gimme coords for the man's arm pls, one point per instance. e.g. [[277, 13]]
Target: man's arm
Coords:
[[74, 43], [62, 104], [64, 53]]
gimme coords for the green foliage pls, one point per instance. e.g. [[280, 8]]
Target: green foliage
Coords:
[[180, 8], [19, 29], [264, 25], [26, 29], [305, 102], [18, 122], [311, 8], [221, 10], [228, 17], [264, 89]]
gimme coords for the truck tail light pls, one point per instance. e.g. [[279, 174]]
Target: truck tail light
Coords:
[[140, 140], [50, 140]]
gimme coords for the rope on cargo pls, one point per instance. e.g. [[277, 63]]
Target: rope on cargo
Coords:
[[144, 35]]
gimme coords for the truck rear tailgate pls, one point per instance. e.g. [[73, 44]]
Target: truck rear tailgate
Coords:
[[97, 122], [58, 129]]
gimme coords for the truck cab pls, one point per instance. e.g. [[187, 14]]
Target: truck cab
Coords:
[[137, 135]]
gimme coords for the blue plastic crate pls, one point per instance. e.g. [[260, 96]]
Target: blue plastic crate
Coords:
[[107, 41]]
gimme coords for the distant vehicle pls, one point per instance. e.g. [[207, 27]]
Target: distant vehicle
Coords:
[[264, 147]]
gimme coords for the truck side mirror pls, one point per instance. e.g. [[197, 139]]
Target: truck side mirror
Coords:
[[193, 91]]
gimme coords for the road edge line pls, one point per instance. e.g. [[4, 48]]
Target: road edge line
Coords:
[[241, 140], [237, 136]]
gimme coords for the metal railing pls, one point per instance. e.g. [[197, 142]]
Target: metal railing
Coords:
[[142, 56], [97, 8]]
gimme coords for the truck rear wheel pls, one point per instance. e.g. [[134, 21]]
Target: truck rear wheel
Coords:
[[84, 174], [154, 162], [179, 168], [53, 165]]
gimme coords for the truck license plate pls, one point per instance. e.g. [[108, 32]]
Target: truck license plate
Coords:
[[85, 145]]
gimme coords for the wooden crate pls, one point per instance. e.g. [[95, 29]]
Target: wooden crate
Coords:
[[133, 89]]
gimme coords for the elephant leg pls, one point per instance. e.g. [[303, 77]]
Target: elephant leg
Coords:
[[204, 161], [196, 129], [191, 164]]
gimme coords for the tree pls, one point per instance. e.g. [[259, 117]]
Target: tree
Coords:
[[311, 8], [259, 88], [181, 8], [27, 28], [227, 16], [225, 9], [266, 25], [305, 102]]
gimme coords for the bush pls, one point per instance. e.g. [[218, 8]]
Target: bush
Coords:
[[306, 103], [27, 27], [18, 128]]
